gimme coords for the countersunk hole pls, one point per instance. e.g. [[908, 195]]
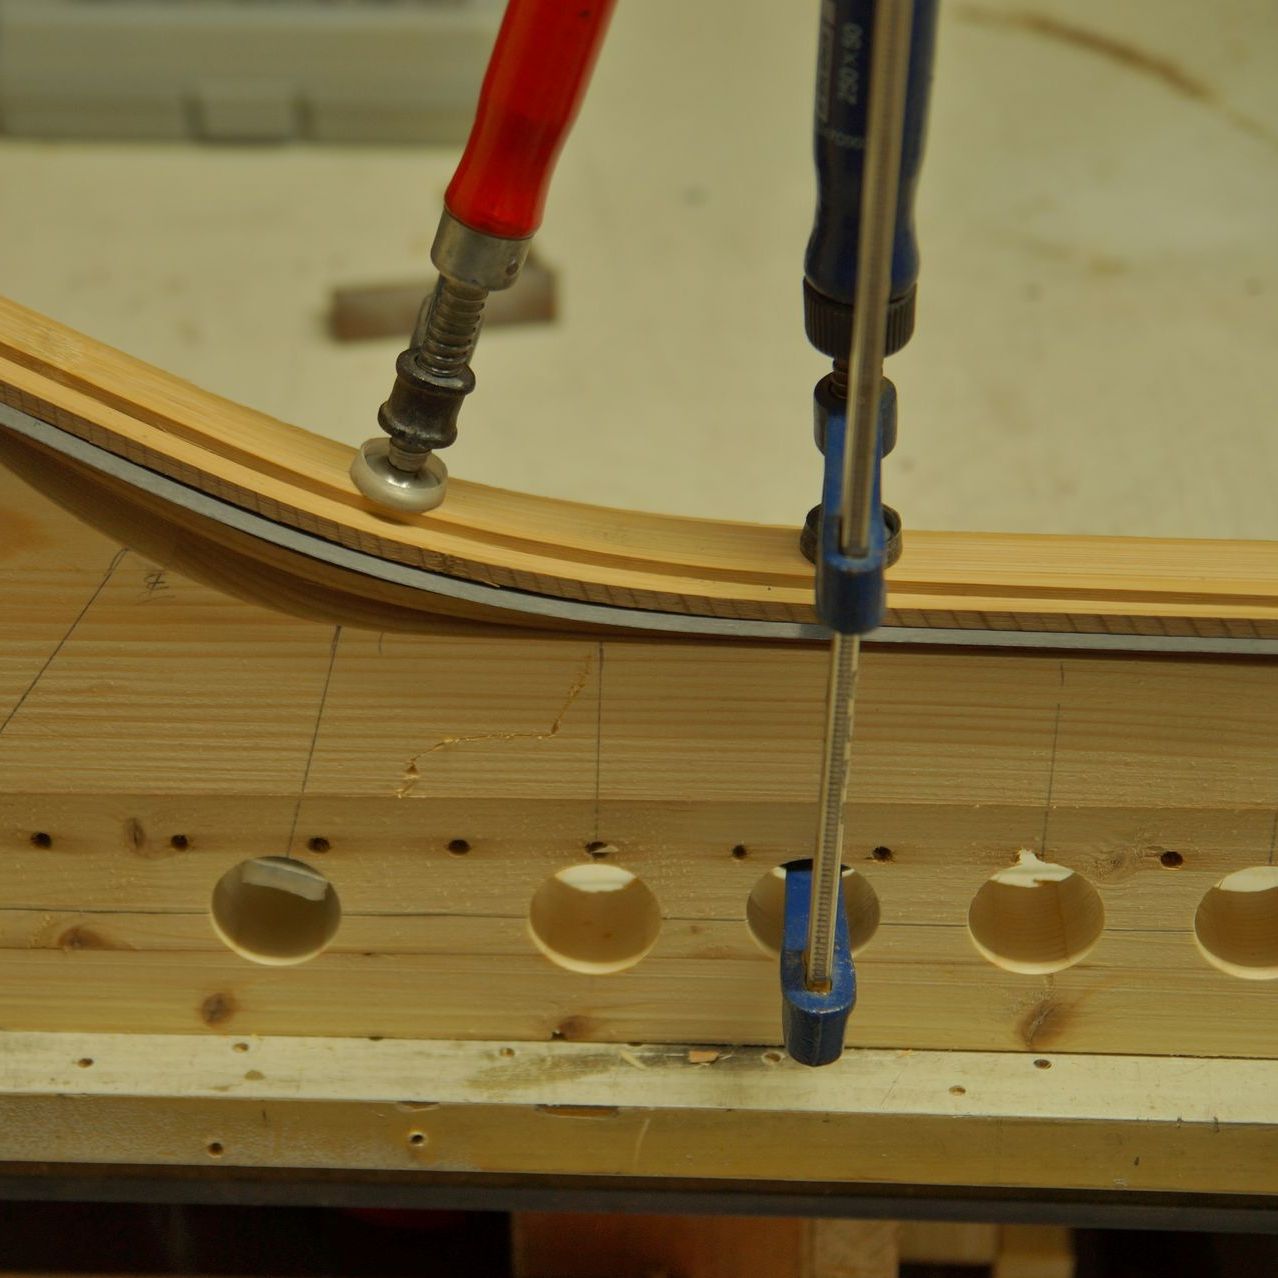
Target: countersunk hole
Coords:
[[179, 843], [239, 1047], [1042, 1063], [1035, 917], [417, 1139], [84, 1062], [1172, 860], [1236, 925], [275, 910], [41, 840], [594, 918], [956, 1090], [214, 1148], [773, 1058], [765, 910], [881, 854], [507, 1052], [458, 847], [318, 844], [740, 852]]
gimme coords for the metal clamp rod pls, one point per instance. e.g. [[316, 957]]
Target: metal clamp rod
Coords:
[[889, 74], [885, 126]]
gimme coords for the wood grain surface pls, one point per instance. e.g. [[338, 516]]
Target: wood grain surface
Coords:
[[154, 734]]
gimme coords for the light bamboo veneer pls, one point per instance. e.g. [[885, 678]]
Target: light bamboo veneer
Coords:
[[554, 548]]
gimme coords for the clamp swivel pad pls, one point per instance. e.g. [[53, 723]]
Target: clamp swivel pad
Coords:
[[405, 492]]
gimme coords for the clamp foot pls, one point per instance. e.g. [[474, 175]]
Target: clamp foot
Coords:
[[403, 491]]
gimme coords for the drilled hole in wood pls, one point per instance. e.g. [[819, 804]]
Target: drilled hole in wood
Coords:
[[1236, 925], [881, 854], [41, 840], [773, 1058], [275, 910], [594, 918], [85, 1062], [956, 1090], [599, 849], [506, 1052], [765, 910], [214, 1149], [458, 847], [1172, 860], [239, 1047], [179, 843], [318, 844], [1042, 1063], [417, 1139], [1035, 917], [740, 852]]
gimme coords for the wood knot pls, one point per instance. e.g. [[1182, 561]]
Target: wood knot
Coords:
[[1044, 1022], [573, 1028], [135, 835], [83, 938], [218, 1008]]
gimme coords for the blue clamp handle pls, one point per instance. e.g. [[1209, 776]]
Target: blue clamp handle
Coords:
[[842, 108], [850, 590], [813, 1023]]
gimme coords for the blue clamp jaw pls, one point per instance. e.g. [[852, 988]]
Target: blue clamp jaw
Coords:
[[813, 1021], [850, 591]]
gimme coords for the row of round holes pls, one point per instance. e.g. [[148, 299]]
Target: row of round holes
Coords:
[[599, 918]]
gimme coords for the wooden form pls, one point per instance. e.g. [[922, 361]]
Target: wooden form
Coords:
[[154, 734], [157, 734]]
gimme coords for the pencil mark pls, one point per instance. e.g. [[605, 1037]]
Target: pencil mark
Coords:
[[412, 773], [887, 1096], [310, 754], [52, 657], [639, 1140], [154, 581], [1168, 73], [599, 739], [1051, 782]]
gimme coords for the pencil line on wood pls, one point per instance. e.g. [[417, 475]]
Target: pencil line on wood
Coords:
[[79, 617], [599, 738], [310, 754], [1051, 780]]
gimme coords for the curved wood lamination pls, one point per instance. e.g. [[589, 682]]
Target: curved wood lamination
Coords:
[[548, 547]]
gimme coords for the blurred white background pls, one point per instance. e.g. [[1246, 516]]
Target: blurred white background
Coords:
[[1097, 343]]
